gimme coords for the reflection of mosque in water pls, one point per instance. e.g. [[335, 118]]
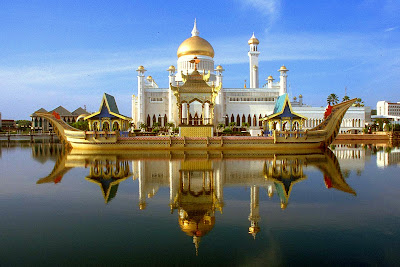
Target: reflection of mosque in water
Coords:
[[196, 183], [386, 156]]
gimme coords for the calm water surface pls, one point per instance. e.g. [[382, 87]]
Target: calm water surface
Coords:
[[316, 208]]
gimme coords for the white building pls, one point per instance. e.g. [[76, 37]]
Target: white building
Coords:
[[388, 110], [154, 104]]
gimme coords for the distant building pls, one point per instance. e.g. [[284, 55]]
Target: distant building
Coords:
[[387, 110], [40, 124], [8, 125]]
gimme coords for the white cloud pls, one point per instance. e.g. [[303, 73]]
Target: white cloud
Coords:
[[269, 8], [391, 29]]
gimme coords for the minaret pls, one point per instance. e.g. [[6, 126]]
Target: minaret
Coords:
[[254, 216], [253, 56], [140, 115], [270, 81], [283, 80], [171, 98], [220, 108]]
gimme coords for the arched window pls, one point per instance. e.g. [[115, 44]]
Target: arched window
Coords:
[[259, 120], [165, 120], [154, 119], [226, 120], [249, 120], [232, 118], [243, 119], [148, 120], [238, 120], [254, 120], [159, 120]]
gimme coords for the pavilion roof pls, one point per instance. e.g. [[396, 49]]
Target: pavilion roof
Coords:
[[39, 110], [283, 108], [62, 111], [109, 103], [79, 111]]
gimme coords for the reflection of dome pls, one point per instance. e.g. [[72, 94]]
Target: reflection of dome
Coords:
[[195, 45], [194, 227]]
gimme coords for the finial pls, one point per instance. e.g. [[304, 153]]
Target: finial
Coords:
[[253, 36], [195, 32], [245, 84]]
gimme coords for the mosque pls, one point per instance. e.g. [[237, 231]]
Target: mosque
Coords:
[[196, 95]]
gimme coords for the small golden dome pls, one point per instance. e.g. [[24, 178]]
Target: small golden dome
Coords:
[[171, 68], [142, 206], [219, 67], [294, 98], [270, 77], [283, 68], [300, 96], [149, 78], [140, 68], [195, 45], [283, 206], [253, 40]]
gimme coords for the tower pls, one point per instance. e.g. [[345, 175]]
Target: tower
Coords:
[[283, 80], [140, 114], [171, 98], [253, 58], [220, 108], [254, 216], [270, 81]]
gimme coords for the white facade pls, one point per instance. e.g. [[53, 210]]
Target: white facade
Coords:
[[154, 104]]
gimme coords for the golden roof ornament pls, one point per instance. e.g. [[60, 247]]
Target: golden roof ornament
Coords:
[[253, 40], [195, 45]]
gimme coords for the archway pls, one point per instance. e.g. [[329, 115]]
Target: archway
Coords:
[[115, 126], [106, 126]]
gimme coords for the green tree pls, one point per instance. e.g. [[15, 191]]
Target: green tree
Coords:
[[246, 125], [332, 99], [142, 126], [220, 126], [345, 98], [359, 103], [232, 125], [81, 125]]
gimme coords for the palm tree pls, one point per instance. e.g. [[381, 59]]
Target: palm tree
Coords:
[[359, 103], [345, 98], [220, 126], [332, 99]]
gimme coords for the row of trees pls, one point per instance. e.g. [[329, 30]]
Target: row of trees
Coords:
[[333, 99]]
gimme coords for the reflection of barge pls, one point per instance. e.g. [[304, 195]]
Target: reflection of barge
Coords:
[[320, 136], [196, 179]]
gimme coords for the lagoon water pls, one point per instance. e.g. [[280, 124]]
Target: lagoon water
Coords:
[[198, 208]]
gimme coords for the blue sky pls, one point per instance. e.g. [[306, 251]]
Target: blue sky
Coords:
[[70, 52]]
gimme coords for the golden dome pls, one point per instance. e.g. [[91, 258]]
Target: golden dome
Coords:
[[300, 96], [195, 45], [219, 67], [283, 68], [253, 40], [140, 68], [192, 227], [171, 68], [149, 78], [270, 77]]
